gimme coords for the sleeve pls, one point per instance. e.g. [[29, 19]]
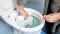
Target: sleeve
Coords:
[[55, 6], [19, 2]]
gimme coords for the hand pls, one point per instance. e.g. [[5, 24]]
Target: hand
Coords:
[[25, 15], [52, 17], [22, 11]]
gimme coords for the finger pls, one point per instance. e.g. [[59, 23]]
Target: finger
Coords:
[[50, 20], [51, 14], [47, 17]]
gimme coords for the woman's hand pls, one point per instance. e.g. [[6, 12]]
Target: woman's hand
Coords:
[[52, 17], [22, 11], [25, 15]]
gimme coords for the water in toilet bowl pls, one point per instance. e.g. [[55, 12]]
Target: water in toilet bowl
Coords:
[[35, 22], [30, 22]]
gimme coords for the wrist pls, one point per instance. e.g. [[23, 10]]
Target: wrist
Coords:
[[59, 16]]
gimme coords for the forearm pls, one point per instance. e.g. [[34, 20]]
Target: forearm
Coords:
[[22, 11]]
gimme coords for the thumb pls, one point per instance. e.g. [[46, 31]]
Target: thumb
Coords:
[[45, 16]]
